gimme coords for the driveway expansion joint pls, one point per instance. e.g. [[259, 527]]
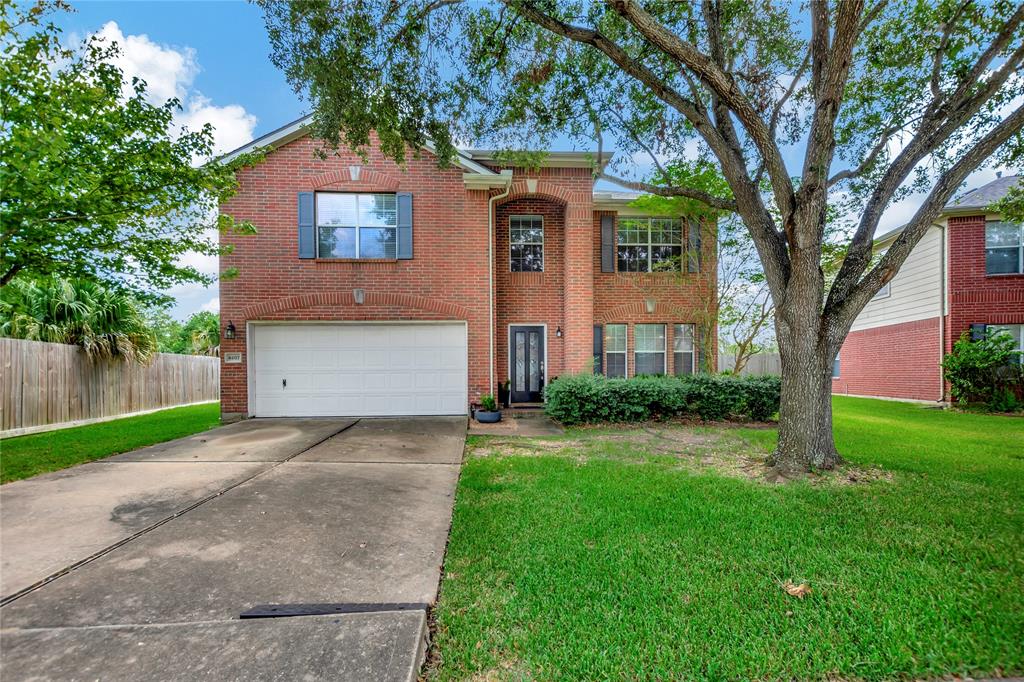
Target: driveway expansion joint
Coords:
[[291, 610]]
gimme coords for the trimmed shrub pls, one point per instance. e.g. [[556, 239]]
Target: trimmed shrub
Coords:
[[987, 371], [590, 399]]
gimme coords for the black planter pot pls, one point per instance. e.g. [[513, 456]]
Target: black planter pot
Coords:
[[503, 395], [487, 417]]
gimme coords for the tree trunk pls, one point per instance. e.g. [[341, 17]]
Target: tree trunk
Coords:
[[805, 414]]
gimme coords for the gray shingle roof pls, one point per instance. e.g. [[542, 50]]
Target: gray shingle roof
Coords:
[[984, 195]]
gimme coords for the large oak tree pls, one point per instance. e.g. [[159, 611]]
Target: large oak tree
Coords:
[[872, 98]]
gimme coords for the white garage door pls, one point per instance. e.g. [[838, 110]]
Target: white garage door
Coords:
[[320, 370]]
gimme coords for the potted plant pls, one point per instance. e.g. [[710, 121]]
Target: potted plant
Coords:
[[488, 412], [503, 393]]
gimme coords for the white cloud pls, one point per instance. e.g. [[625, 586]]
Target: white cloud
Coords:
[[170, 72]]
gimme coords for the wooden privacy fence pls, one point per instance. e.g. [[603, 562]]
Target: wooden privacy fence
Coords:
[[46, 385], [759, 363]]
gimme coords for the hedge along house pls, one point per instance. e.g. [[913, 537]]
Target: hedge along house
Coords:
[[373, 289], [966, 275]]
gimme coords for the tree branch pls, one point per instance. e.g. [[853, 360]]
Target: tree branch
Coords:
[[844, 308], [868, 160], [696, 194]]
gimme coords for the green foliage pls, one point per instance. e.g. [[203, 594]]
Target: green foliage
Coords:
[[97, 182], [488, 404], [986, 371], [38, 453], [590, 399], [106, 323], [198, 335]]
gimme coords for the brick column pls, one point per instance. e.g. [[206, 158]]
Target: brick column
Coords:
[[579, 283]]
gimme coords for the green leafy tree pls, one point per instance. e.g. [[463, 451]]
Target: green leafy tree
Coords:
[[878, 97], [106, 323], [201, 333], [987, 371], [165, 328], [97, 182]]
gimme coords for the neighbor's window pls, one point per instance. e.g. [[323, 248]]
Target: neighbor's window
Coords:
[[1014, 330], [615, 351], [835, 368], [526, 243], [649, 244], [356, 225], [684, 357], [649, 353], [1004, 248], [884, 292]]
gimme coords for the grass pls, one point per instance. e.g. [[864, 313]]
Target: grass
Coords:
[[604, 555], [38, 453]]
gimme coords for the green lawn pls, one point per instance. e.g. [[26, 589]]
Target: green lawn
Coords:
[[26, 456], [610, 555]]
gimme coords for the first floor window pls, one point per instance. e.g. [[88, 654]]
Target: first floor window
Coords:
[[526, 243], [356, 225], [1004, 248], [615, 351], [649, 352], [650, 244], [683, 348], [1015, 331], [835, 368]]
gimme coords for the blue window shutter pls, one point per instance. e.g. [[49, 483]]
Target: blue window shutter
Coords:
[[307, 231], [607, 243], [693, 246], [404, 200], [598, 350]]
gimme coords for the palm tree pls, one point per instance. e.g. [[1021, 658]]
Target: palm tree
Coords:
[[104, 322]]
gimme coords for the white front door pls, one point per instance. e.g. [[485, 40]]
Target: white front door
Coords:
[[358, 369]]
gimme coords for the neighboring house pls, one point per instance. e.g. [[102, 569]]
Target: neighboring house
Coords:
[[965, 275], [373, 289]]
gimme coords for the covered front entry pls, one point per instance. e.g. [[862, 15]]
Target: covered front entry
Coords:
[[526, 360], [358, 369]]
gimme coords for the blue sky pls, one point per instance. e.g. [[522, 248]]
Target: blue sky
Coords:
[[214, 56]]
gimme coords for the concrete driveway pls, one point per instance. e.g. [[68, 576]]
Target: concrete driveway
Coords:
[[140, 565]]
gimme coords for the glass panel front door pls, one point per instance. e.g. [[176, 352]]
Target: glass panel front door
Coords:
[[527, 363]]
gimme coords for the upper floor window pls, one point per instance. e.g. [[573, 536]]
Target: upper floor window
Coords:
[[356, 225], [526, 243], [884, 292], [1004, 248], [649, 244]]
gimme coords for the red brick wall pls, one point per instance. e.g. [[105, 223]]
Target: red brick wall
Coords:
[[975, 297], [893, 361], [446, 279], [530, 297], [679, 297]]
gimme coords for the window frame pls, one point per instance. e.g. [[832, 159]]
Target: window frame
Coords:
[[511, 242], [884, 292], [663, 351], [357, 227], [650, 244], [991, 329], [676, 334], [624, 352], [1019, 248]]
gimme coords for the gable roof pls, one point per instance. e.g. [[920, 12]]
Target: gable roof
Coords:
[[984, 196], [467, 159]]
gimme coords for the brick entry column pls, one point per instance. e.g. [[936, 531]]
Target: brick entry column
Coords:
[[579, 283]]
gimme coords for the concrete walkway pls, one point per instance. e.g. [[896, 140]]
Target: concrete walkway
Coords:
[[139, 566]]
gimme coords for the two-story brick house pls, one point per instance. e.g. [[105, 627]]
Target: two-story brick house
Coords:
[[965, 275], [378, 289]]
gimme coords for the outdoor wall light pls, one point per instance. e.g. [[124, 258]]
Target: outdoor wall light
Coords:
[[650, 303], [558, 332], [229, 331]]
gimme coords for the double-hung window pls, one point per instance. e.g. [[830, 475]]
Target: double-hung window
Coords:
[[650, 244], [615, 351], [526, 243], [356, 225], [684, 356], [1004, 248], [649, 351], [1015, 331]]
